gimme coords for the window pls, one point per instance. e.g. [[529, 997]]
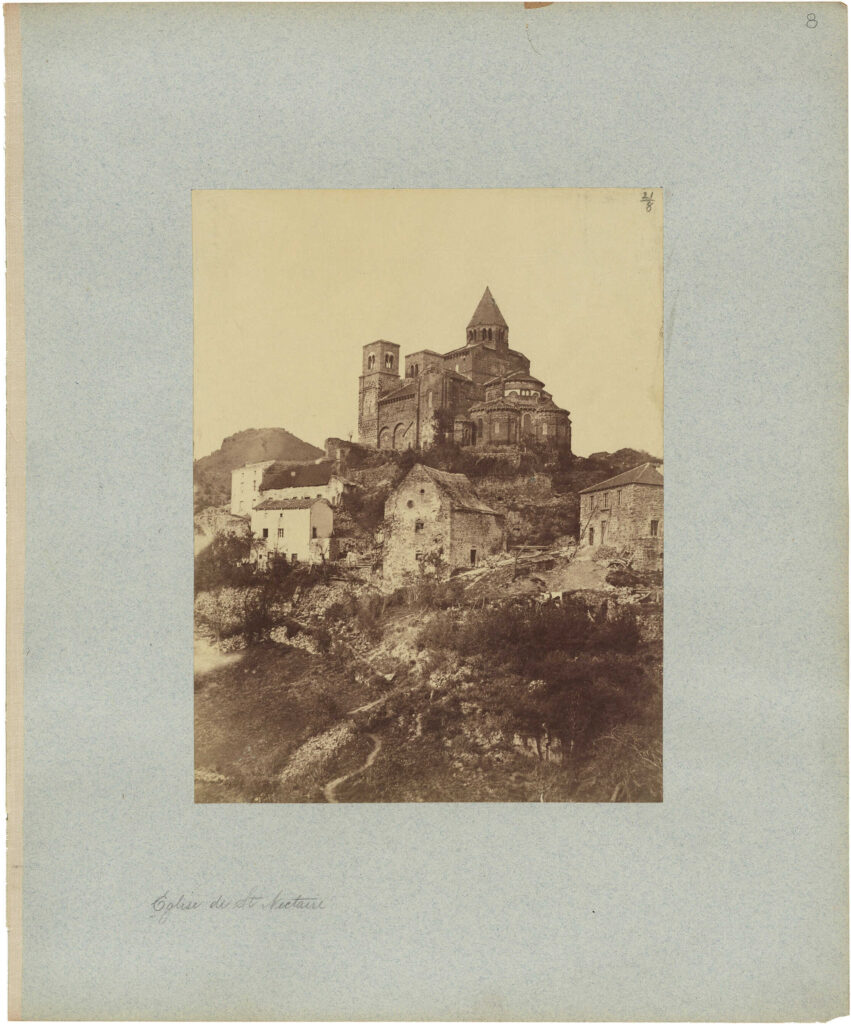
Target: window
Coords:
[[388, 360], [419, 525], [603, 526], [410, 504], [422, 492], [591, 536], [620, 492], [280, 531], [370, 362], [605, 499], [654, 527], [265, 532], [472, 556], [293, 557], [313, 532]]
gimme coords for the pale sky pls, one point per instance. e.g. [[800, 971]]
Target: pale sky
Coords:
[[289, 285]]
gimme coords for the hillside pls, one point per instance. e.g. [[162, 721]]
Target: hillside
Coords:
[[211, 474], [534, 676]]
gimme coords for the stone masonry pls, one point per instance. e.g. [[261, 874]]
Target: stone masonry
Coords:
[[626, 512]]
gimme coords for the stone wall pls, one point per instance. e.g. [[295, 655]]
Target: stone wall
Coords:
[[416, 522], [474, 531], [621, 518]]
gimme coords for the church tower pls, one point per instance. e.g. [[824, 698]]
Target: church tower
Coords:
[[487, 326], [380, 373]]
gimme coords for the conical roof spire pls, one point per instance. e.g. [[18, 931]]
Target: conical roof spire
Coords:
[[487, 313]]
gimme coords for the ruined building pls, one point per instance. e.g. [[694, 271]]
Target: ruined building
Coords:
[[435, 522], [479, 394]]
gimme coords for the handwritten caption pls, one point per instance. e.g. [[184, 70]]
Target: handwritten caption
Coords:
[[163, 907]]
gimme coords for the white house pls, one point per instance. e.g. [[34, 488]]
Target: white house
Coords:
[[298, 529], [308, 480], [245, 487]]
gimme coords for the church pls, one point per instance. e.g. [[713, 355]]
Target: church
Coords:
[[479, 394]]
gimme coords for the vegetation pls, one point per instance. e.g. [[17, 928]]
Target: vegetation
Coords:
[[472, 693]]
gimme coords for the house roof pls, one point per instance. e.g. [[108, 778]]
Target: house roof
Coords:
[[286, 504], [487, 313], [279, 476], [646, 473], [456, 487]]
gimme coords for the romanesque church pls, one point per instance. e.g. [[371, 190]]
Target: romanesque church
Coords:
[[479, 394]]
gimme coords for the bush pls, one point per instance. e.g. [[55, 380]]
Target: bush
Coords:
[[230, 611], [223, 563], [620, 633]]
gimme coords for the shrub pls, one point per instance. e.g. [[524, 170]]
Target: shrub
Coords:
[[224, 562], [230, 611], [620, 633]]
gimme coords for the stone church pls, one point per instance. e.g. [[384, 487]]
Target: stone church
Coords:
[[479, 394]]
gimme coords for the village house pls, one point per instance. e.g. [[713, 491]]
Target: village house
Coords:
[[308, 480], [479, 394], [435, 522], [245, 486], [297, 529], [626, 512], [258, 481]]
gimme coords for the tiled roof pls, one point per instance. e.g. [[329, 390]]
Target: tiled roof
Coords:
[[285, 504], [280, 476], [487, 313], [457, 489], [646, 473]]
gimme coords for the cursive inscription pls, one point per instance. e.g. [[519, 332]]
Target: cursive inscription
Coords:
[[168, 904]]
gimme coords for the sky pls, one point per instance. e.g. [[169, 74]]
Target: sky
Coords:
[[289, 284]]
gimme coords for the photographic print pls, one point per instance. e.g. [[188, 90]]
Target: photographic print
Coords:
[[428, 495]]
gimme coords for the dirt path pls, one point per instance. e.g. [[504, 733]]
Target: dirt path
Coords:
[[331, 787]]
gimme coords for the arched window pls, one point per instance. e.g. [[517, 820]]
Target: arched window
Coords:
[[370, 362], [388, 360]]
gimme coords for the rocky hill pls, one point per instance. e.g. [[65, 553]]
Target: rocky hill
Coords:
[[534, 676], [211, 474]]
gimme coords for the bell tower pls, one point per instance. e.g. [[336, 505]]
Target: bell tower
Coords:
[[487, 326], [379, 373]]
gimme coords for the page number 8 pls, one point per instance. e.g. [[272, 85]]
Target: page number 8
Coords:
[[811, 21]]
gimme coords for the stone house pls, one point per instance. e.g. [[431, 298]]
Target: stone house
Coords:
[[298, 529], [258, 481], [479, 394], [626, 512], [245, 486], [435, 522]]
